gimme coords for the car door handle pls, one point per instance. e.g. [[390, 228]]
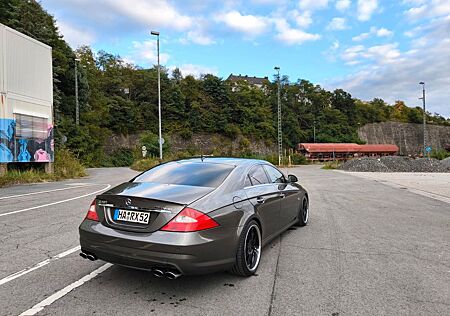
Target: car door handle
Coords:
[[260, 200], [282, 195]]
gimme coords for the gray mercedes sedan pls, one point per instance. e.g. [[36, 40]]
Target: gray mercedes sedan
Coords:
[[194, 216]]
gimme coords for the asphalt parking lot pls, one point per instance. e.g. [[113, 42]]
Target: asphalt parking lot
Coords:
[[369, 249]]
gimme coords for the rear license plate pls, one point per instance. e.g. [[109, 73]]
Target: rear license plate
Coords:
[[131, 216]]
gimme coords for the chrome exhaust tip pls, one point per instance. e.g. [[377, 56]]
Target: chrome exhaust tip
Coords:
[[91, 257], [172, 275], [83, 255], [158, 273]]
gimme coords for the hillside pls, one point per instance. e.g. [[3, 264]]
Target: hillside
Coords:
[[408, 137], [117, 98]]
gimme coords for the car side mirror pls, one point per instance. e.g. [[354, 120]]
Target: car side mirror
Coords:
[[292, 178]]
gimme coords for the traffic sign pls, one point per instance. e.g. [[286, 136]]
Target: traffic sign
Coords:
[[428, 149]]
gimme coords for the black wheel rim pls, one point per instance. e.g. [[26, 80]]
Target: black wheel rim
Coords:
[[305, 210], [252, 248]]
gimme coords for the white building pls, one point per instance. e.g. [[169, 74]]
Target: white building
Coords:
[[26, 100]]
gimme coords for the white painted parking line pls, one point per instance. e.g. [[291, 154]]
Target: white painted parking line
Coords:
[[47, 191], [61, 293], [55, 203], [38, 265]]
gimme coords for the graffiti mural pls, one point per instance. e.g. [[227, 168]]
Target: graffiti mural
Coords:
[[26, 140]]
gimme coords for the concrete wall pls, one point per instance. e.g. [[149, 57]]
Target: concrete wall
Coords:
[[408, 137]]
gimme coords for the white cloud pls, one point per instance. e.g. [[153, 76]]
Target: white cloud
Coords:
[[337, 24], [76, 37], [430, 9], [200, 38], [145, 54], [416, 11], [155, 13], [399, 80], [343, 5], [381, 54], [304, 19], [366, 8], [330, 53], [250, 25], [195, 70], [311, 5], [361, 37], [380, 32], [292, 36]]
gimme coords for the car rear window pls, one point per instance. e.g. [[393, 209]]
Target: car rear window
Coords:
[[199, 174]]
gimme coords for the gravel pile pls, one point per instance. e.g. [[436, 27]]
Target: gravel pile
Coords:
[[396, 164], [364, 164], [446, 162]]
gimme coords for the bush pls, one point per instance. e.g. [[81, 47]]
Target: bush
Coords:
[[440, 154], [122, 157], [332, 165], [298, 159], [150, 140], [145, 164], [67, 166]]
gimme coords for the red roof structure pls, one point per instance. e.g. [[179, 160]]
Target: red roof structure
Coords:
[[343, 151]]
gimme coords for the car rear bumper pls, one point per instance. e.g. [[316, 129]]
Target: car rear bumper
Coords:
[[190, 253]]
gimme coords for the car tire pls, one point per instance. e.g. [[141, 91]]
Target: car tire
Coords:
[[303, 213], [248, 254]]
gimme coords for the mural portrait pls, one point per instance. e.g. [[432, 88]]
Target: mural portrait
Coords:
[[26, 139], [7, 129]]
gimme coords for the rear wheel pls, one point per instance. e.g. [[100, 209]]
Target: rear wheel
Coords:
[[303, 213], [249, 250]]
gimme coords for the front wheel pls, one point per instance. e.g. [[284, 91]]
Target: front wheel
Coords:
[[303, 213], [249, 250]]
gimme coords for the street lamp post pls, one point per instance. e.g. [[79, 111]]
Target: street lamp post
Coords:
[[424, 119], [159, 97], [77, 105], [280, 135]]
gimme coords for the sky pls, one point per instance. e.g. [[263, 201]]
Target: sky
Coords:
[[370, 48]]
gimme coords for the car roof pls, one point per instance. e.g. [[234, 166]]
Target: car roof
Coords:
[[225, 160]]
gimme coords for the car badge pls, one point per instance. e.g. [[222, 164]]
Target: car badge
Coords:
[[128, 202]]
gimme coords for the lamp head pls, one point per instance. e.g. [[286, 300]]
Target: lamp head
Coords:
[[154, 33]]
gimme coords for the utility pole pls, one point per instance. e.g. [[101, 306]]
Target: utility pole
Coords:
[[280, 135], [77, 105], [159, 98], [314, 130], [424, 119]]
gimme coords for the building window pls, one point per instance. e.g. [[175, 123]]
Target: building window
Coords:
[[31, 127]]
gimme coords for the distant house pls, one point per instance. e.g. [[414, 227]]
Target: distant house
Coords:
[[255, 81]]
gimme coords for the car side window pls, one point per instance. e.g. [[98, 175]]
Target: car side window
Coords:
[[257, 175], [275, 176]]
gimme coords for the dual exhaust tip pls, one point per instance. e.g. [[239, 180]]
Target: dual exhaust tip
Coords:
[[88, 256], [169, 274], [159, 273]]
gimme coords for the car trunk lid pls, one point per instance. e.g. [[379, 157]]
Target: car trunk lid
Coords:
[[160, 202]]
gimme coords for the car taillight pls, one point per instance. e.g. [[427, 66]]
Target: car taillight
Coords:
[[190, 220], [92, 213]]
